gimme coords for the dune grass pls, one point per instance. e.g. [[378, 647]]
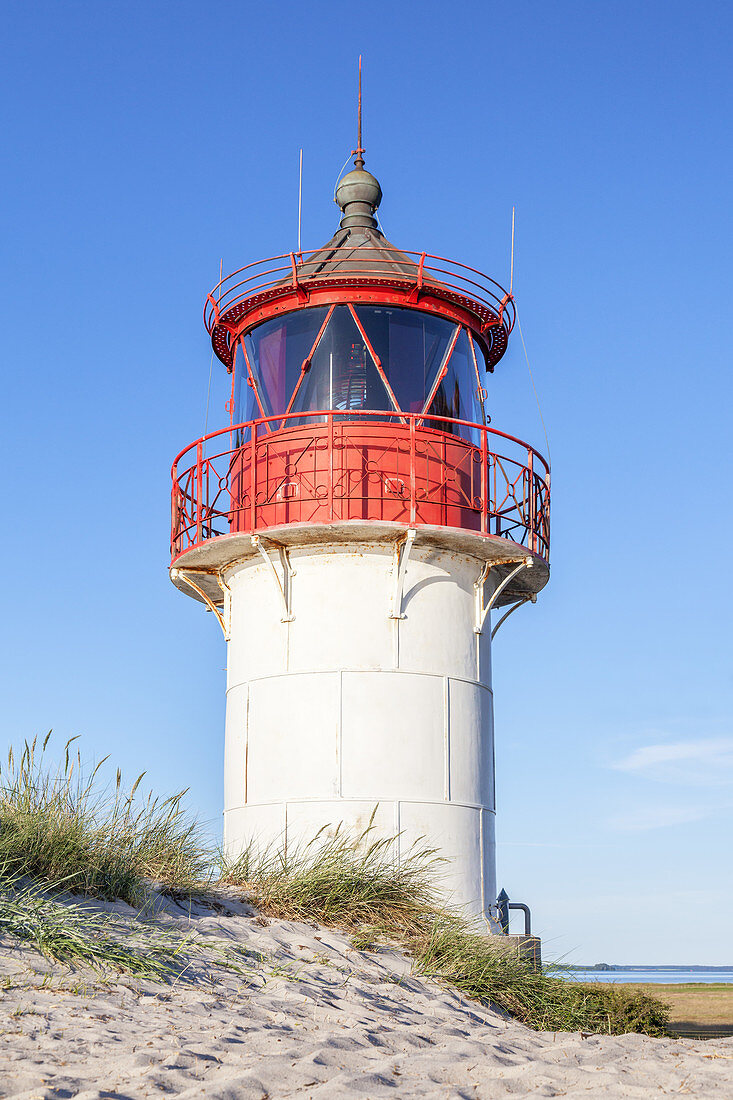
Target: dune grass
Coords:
[[59, 824], [353, 883], [76, 936], [486, 970], [61, 829], [68, 934]]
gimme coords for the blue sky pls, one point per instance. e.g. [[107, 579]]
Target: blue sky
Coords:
[[145, 142]]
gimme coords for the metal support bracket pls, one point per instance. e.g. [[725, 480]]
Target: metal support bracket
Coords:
[[520, 603], [227, 594], [284, 587], [402, 549], [482, 609], [179, 574]]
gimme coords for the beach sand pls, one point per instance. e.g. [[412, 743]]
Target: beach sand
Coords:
[[311, 1017]]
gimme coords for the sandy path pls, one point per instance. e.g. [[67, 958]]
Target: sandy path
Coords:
[[314, 1019]]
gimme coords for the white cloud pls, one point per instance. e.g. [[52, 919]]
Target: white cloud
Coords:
[[708, 761], [659, 817]]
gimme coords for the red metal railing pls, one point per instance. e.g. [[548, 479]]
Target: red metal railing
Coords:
[[331, 466], [416, 270]]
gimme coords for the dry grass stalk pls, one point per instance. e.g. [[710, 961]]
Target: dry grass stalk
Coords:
[[59, 825]]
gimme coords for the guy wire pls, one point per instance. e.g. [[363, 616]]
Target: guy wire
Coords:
[[338, 177], [536, 395]]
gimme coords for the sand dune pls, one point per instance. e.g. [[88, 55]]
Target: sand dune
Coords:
[[311, 1017]]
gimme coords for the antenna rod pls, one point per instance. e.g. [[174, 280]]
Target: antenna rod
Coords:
[[359, 150], [211, 364], [511, 269], [300, 196]]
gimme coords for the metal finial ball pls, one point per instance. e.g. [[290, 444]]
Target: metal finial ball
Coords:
[[359, 186]]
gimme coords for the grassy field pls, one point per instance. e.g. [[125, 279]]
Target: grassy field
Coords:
[[697, 1008]]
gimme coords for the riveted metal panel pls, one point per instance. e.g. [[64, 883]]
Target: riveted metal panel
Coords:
[[393, 735], [292, 737], [472, 736]]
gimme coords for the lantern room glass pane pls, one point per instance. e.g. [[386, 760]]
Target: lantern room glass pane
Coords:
[[245, 401], [411, 347], [457, 394], [276, 352], [342, 374]]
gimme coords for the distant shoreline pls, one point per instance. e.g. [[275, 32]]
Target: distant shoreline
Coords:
[[619, 968]]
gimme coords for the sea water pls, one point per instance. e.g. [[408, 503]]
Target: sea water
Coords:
[[660, 975]]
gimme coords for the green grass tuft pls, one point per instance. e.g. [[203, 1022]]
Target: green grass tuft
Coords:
[[59, 825], [352, 882], [485, 970], [75, 936]]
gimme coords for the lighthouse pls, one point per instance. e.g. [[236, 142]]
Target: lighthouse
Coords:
[[360, 530]]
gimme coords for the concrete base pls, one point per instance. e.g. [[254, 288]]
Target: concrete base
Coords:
[[528, 948]]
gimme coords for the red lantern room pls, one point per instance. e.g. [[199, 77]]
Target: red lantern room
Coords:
[[358, 394]]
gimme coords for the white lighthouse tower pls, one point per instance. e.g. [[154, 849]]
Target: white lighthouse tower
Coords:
[[352, 528]]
